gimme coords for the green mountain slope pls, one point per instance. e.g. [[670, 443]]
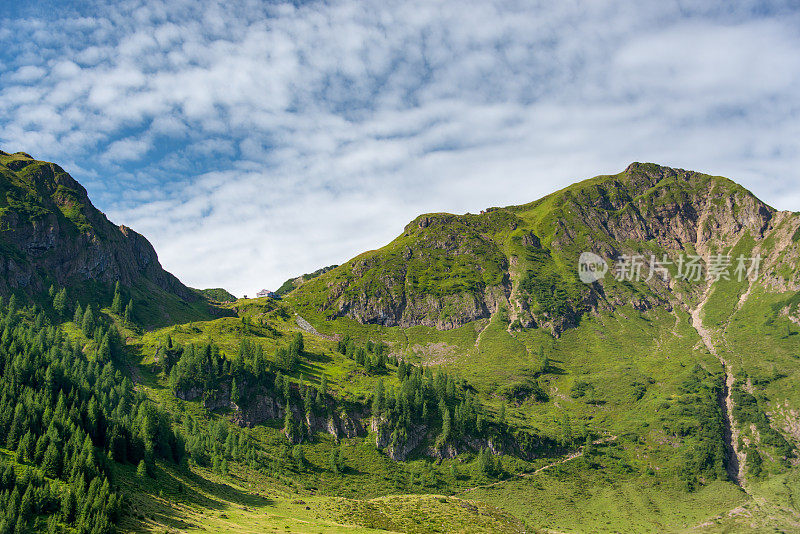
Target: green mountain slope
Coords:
[[446, 270], [460, 379]]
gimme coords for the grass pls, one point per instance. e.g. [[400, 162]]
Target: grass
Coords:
[[617, 373], [574, 499]]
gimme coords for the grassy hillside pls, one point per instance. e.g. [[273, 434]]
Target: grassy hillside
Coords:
[[460, 379]]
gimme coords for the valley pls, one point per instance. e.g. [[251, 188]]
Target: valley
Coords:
[[459, 379]]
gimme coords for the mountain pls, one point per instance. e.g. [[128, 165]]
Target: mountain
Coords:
[[447, 270], [50, 233], [466, 377]]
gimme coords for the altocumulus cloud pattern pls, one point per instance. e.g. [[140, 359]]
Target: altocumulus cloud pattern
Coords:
[[277, 138]]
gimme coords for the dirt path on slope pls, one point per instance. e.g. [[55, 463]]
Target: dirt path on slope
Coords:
[[735, 463]]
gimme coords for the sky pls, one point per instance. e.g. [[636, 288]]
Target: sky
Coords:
[[253, 141]]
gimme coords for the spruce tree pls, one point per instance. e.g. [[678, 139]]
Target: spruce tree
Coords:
[[52, 461], [116, 304], [299, 456], [446, 426], [129, 313], [588, 452], [104, 355], [25, 448], [234, 392], [324, 384], [68, 506], [566, 429], [88, 321], [78, 317], [378, 399], [60, 302], [333, 461], [289, 427], [26, 505], [544, 361], [141, 469]]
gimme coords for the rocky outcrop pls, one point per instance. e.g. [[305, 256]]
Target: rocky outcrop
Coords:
[[396, 450], [51, 232], [263, 407], [399, 451]]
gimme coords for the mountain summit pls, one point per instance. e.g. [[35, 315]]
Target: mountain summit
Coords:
[[446, 270], [50, 233]]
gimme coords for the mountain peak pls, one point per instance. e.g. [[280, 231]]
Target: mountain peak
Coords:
[[446, 270], [51, 233]]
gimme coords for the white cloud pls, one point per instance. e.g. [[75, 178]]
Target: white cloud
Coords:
[[253, 142]]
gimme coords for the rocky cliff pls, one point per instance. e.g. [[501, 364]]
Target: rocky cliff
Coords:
[[51, 233]]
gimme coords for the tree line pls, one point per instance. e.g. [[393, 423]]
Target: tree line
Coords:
[[67, 412]]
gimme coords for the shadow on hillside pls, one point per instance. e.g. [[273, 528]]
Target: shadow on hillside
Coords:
[[553, 368], [163, 498], [318, 358]]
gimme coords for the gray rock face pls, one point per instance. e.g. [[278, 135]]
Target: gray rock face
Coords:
[[50, 231], [264, 407]]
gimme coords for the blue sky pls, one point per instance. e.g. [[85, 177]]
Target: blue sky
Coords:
[[251, 141]]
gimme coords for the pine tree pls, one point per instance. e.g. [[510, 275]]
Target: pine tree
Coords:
[[129, 313], [141, 469], [87, 322], [51, 291], [234, 392], [60, 302], [116, 304]]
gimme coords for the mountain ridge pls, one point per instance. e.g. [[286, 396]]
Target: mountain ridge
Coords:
[[52, 234], [518, 256], [464, 356]]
